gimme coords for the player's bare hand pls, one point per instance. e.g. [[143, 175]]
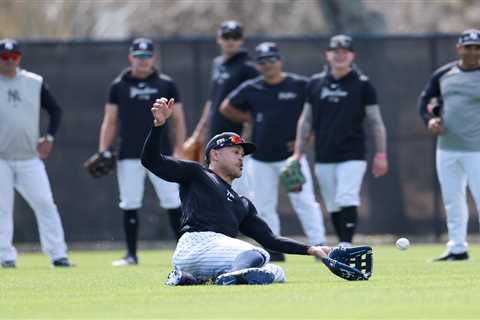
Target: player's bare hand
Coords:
[[380, 165], [162, 110], [319, 251], [435, 126], [44, 147]]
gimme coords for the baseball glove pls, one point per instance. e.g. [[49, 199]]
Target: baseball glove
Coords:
[[292, 177], [350, 263], [193, 150], [101, 163]]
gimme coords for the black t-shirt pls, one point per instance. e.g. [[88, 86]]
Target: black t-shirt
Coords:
[[134, 98], [275, 111], [226, 76], [209, 203], [338, 107]]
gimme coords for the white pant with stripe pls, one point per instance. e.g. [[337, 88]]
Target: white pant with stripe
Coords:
[[131, 183], [30, 179], [265, 186], [456, 170], [340, 183], [208, 254]]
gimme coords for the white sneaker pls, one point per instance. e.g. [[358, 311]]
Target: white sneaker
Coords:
[[125, 262]]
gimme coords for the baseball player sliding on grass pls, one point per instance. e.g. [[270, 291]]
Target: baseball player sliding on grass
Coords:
[[213, 214]]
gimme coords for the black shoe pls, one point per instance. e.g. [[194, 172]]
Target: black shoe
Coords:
[[62, 263], [448, 256], [276, 256], [9, 264]]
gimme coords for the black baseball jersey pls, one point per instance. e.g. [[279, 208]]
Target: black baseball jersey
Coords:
[[209, 203], [226, 76], [339, 109], [135, 98], [275, 110]]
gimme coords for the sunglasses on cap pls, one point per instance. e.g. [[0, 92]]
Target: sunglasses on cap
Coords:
[[5, 56], [267, 60]]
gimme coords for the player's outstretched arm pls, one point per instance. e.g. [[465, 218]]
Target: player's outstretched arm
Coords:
[[163, 166]]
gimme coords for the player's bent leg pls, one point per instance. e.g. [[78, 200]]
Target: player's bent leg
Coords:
[[250, 259]]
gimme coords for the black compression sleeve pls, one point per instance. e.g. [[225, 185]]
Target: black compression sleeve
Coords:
[[48, 102], [163, 166], [257, 229]]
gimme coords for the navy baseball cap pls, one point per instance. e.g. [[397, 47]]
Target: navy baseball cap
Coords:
[[227, 139], [470, 36], [340, 41], [9, 45], [267, 50], [230, 29], [142, 47]]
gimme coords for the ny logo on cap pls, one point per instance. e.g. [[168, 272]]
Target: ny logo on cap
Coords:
[[9, 45], [473, 36], [231, 24], [143, 45], [266, 47]]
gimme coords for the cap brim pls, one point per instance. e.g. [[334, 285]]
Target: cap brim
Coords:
[[139, 53], [466, 43], [268, 55], [248, 148]]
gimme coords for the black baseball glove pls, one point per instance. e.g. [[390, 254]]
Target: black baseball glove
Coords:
[[101, 163], [350, 263]]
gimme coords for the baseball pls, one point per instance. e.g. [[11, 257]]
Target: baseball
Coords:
[[402, 243]]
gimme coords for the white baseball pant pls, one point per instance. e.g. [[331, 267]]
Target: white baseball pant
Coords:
[[456, 170], [340, 183], [131, 183], [30, 179], [265, 187], [207, 255]]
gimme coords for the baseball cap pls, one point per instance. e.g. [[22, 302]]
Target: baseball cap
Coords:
[[231, 28], [9, 45], [227, 139], [470, 36], [142, 47], [340, 41], [266, 50]]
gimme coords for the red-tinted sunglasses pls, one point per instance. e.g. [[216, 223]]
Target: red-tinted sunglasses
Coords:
[[5, 56], [236, 140]]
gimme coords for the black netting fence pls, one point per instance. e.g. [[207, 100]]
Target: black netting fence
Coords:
[[407, 201]]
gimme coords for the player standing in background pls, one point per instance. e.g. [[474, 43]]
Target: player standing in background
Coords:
[[274, 102], [214, 214], [339, 101], [229, 70], [22, 95], [128, 109], [456, 89]]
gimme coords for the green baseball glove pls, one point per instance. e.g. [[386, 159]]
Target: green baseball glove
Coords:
[[292, 177]]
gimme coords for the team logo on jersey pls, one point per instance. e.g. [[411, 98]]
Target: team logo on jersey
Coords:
[[220, 75], [332, 95], [230, 196], [286, 95], [142, 92], [13, 96]]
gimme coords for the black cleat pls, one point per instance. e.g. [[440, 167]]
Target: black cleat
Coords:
[[62, 263], [9, 264], [181, 278], [254, 276], [448, 256]]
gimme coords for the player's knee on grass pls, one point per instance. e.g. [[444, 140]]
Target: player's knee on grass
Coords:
[[277, 271], [249, 259]]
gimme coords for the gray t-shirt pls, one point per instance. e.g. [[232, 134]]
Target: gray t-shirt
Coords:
[[19, 115], [459, 93]]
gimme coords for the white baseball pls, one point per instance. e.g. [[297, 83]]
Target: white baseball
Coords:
[[402, 243]]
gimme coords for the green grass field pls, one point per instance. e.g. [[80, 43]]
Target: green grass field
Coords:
[[404, 286]]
